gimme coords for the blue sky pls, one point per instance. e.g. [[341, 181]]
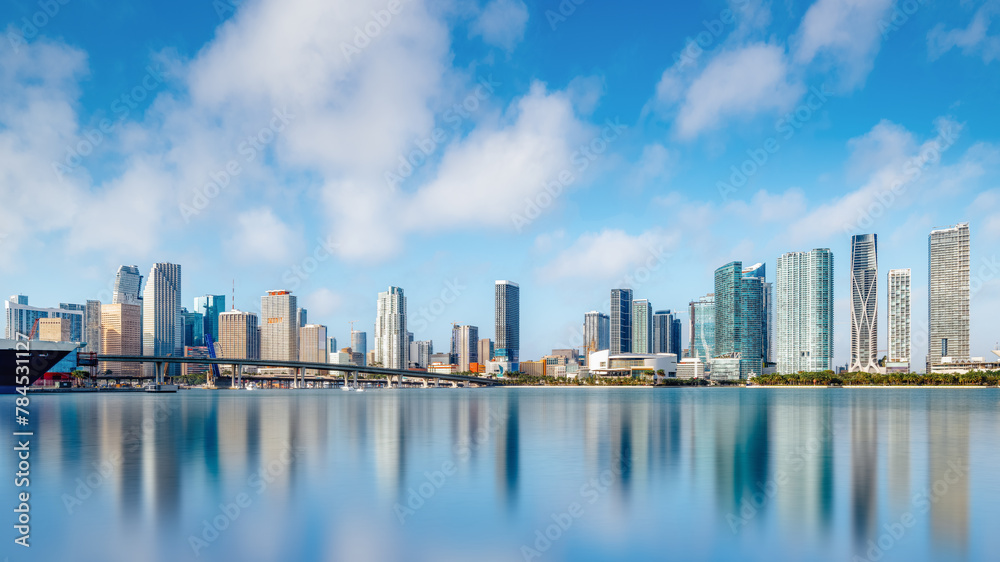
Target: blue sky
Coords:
[[264, 142]]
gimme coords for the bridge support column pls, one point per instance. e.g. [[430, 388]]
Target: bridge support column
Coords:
[[425, 383], [158, 377], [355, 379], [454, 384], [239, 375], [437, 383]]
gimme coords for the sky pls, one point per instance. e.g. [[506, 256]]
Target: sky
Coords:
[[337, 148]]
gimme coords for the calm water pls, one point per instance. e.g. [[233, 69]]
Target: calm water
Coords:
[[446, 474]]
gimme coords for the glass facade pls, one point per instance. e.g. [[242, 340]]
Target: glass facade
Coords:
[[642, 326], [702, 331], [621, 321], [864, 303], [949, 292], [740, 317], [804, 329]]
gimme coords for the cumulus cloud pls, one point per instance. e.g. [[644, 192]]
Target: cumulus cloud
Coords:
[[501, 23], [972, 40], [844, 36], [259, 235], [610, 255]]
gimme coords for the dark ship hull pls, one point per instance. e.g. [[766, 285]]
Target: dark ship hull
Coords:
[[34, 357]]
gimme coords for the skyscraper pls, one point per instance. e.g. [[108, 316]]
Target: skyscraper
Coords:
[[899, 319], [642, 326], [507, 315], [485, 351], [758, 270], [666, 333], [279, 326], [128, 286], [92, 326], [312, 345], [596, 331], [702, 332], [468, 346], [621, 321], [120, 335], [210, 307], [391, 346], [740, 324], [302, 315], [194, 328], [239, 335], [420, 353], [359, 344], [162, 327], [864, 303], [948, 292], [804, 329]]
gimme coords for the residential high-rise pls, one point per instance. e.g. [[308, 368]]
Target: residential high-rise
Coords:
[[312, 345], [642, 326], [239, 335], [899, 319], [162, 327], [702, 328], [596, 331], [420, 353], [468, 346], [194, 328], [740, 322], [621, 321], [758, 271], [120, 335], [391, 346], [507, 315], [332, 347], [210, 307], [948, 294], [485, 351], [92, 326], [279, 326], [666, 333], [804, 329], [864, 303], [359, 344], [128, 286], [456, 337]]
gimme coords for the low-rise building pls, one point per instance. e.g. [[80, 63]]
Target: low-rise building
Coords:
[[691, 368], [605, 364]]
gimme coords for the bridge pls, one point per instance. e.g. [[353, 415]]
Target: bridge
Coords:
[[298, 368]]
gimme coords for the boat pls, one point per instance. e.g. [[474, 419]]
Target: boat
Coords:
[[153, 387], [38, 356], [251, 386]]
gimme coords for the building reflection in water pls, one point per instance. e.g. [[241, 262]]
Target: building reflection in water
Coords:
[[864, 467], [948, 479], [897, 414], [508, 456]]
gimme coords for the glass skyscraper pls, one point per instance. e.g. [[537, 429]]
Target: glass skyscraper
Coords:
[[507, 316], [621, 321], [948, 291], [702, 328], [740, 317], [642, 326], [162, 326], [864, 303], [392, 346], [666, 333], [596, 331], [210, 307], [804, 295]]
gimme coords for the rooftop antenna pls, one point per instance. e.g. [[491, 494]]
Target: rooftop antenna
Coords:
[[233, 304], [351, 322]]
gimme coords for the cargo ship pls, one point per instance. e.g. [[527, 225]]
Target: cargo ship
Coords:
[[38, 356]]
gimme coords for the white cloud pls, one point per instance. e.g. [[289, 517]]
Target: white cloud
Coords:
[[610, 255], [974, 39], [501, 23], [260, 236], [765, 207], [736, 83], [844, 35], [655, 165]]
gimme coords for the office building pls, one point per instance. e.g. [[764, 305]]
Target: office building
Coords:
[[128, 286], [22, 318], [596, 331], [864, 303], [279, 328], [194, 328], [239, 335], [898, 356], [53, 329], [312, 345], [302, 315], [642, 326], [948, 294], [162, 327], [667, 333], [210, 307], [466, 347], [804, 328], [193, 369], [121, 334], [391, 346], [702, 328], [92, 326], [485, 351], [507, 315], [621, 321], [359, 344], [332, 346]]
